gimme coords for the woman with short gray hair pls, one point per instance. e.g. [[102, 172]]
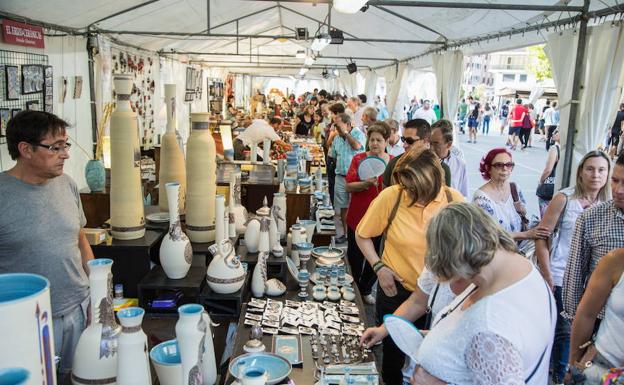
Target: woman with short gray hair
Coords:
[[499, 330]]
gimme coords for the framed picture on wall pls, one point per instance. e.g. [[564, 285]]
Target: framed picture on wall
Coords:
[[33, 105], [15, 111], [12, 82], [32, 79], [5, 115]]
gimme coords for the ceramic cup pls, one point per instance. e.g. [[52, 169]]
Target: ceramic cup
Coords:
[[167, 362], [333, 293], [290, 184], [254, 375], [305, 250]]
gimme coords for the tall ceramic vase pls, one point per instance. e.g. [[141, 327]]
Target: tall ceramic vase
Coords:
[[126, 198], [259, 277], [209, 368], [236, 208], [133, 362], [171, 157], [191, 332], [220, 225], [279, 213], [201, 178], [95, 360], [176, 253], [26, 327]]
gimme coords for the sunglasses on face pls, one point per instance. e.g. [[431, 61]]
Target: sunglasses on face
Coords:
[[501, 165], [409, 140]]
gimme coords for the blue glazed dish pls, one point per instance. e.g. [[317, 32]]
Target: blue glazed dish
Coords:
[[277, 367]]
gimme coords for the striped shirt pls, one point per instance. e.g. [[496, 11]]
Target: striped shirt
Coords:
[[598, 231]]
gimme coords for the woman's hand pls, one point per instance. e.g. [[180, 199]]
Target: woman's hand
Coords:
[[421, 377], [372, 336], [538, 232], [371, 181], [386, 278]]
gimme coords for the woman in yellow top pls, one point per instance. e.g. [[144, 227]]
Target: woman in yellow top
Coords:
[[402, 212]]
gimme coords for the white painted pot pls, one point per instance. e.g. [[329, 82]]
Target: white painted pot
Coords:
[[133, 362], [176, 253]]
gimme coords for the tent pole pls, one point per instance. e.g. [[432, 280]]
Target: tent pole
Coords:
[[579, 68], [90, 48], [208, 18]]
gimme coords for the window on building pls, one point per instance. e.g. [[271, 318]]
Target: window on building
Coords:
[[523, 78], [509, 77]]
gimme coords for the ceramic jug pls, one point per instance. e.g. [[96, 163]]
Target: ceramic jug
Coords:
[[225, 274], [209, 367], [297, 235], [126, 198], [252, 232], [201, 168], [26, 328], [191, 334], [237, 209], [176, 253], [133, 363], [96, 355], [172, 168]]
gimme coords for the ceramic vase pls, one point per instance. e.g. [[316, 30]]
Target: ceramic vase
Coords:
[[239, 211], [259, 277], [133, 362], [26, 327], [298, 235], [232, 234], [201, 179], [95, 175], [209, 362], [266, 151], [95, 360], [126, 197], [220, 227], [279, 213], [176, 253], [264, 244], [225, 274], [172, 167], [191, 332]]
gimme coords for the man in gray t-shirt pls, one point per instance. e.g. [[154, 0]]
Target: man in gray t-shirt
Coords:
[[41, 222]]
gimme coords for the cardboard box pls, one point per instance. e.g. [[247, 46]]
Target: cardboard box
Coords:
[[95, 236]]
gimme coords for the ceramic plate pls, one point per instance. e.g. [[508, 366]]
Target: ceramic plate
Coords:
[[162, 217], [404, 334], [315, 278], [277, 367], [292, 267]]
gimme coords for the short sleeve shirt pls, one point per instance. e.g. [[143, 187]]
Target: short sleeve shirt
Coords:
[[257, 132], [343, 151]]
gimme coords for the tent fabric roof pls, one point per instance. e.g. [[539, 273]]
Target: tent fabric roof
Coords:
[[149, 18]]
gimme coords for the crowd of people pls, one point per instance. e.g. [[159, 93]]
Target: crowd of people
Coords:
[[474, 275], [457, 266]]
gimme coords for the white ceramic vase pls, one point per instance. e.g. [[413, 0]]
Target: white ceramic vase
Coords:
[[225, 274], [133, 362], [191, 332], [264, 240], [209, 367], [259, 278], [298, 235], [126, 197], [201, 179], [26, 327], [279, 213], [176, 253], [172, 168], [95, 360], [237, 209], [220, 228]]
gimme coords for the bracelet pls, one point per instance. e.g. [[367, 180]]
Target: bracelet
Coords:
[[378, 265]]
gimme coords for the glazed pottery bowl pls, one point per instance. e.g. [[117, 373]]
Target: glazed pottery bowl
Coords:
[[276, 366], [167, 362]]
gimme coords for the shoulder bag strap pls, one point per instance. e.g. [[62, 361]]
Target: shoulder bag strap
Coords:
[[430, 303], [449, 195], [541, 359], [514, 192], [393, 213]]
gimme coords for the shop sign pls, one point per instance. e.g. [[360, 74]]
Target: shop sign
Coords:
[[22, 34]]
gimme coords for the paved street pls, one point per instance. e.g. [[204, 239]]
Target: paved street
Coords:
[[529, 163]]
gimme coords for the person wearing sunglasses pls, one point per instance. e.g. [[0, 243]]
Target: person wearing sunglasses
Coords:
[[496, 197], [416, 134], [41, 221]]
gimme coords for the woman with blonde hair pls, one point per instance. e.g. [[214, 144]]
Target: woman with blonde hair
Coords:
[[591, 187], [401, 213], [499, 329]]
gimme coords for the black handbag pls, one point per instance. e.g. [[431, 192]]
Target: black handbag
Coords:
[[546, 189]]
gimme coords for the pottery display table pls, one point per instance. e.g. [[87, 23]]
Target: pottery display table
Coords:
[[297, 206], [224, 305], [156, 283], [276, 267], [131, 259], [301, 374]]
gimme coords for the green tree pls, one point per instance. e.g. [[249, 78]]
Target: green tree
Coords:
[[539, 65]]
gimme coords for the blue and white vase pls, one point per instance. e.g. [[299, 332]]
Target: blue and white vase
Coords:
[[95, 175], [133, 363]]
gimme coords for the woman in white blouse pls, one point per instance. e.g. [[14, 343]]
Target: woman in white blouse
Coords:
[[499, 333], [496, 198]]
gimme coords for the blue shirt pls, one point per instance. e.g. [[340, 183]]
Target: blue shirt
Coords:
[[344, 153], [555, 117]]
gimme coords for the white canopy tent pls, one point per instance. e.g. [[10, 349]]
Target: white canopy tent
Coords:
[[387, 39]]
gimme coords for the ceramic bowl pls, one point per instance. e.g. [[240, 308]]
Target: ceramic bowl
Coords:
[[348, 293], [167, 362], [319, 295], [276, 366], [333, 293]]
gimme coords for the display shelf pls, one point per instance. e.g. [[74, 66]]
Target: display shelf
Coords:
[[276, 267], [226, 305], [156, 283]]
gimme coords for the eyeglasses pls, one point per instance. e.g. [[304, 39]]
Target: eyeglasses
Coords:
[[500, 165], [409, 140], [55, 148]]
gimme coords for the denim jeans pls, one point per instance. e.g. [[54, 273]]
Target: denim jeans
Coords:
[[561, 345], [486, 125]]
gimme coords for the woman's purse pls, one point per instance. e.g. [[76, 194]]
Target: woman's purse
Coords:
[[519, 206], [546, 189]]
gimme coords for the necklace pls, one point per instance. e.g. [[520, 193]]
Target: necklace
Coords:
[[500, 195]]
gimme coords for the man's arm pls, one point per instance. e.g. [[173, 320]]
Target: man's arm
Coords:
[[353, 142], [85, 250]]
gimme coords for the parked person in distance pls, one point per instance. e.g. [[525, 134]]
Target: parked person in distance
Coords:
[[516, 117], [473, 122], [488, 112], [504, 118], [551, 121], [616, 131]]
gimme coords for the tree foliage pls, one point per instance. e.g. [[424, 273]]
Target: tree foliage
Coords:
[[539, 65]]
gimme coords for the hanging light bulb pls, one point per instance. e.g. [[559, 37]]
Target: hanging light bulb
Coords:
[[320, 42], [303, 71], [348, 6], [300, 54], [309, 60]]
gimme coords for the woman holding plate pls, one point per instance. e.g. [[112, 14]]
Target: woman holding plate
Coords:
[[364, 184]]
